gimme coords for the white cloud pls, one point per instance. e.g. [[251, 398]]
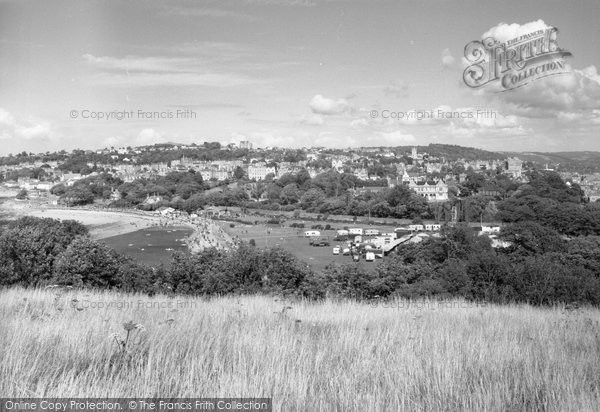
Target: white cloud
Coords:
[[571, 96], [313, 120], [574, 92], [359, 123], [12, 128], [163, 71], [325, 106], [447, 59], [397, 89], [504, 32], [149, 136], [395, 138], [238, 137], [110, 141], [193, 12]]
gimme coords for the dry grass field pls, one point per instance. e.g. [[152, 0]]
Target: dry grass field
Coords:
[[330, 356]]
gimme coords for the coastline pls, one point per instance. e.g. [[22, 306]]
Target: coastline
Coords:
[[107, 223]]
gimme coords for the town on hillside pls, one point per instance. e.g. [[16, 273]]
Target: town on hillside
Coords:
[[434, 173]]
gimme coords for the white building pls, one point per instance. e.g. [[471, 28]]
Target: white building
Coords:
[[245, 144], [437, 191], [260, 171]]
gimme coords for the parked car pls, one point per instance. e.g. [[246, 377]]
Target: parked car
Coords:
[[346, 251], [319, 241], [369, 256], [336, 250]]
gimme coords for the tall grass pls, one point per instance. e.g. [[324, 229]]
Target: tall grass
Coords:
[[313, 356]]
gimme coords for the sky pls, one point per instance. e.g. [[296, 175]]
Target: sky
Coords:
[[289, 73]]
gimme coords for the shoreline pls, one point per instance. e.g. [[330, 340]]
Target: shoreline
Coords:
[[101, 223], [104, 223]]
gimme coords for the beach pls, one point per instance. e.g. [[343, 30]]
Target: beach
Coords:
[[108, 223], [101, 223]]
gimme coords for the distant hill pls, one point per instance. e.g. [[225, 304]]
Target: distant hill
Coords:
[[453, 152], [582, 162]]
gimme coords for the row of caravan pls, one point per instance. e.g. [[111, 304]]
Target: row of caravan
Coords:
[[349, 232], [434, 227], [357, 231]]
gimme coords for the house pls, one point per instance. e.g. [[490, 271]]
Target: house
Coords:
[[490, 190], [151, 200], [490, 229], [259, 171], [432, 191], [361, 174], [244, 144], [514, 166]]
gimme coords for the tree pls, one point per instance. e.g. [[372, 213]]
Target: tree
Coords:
[[530, 238], [313, 198], [22, 195], [88, 263], [290, 194], [78, 195], [238, 173], [29, 247], [274, 192]]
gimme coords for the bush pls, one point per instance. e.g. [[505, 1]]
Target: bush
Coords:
[[29, 247]]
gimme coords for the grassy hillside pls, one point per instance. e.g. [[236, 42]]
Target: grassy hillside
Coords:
[[326, 356], [582, 162], [453, 152]]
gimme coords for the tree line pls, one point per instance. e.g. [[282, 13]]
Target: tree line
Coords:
[[539, 267]]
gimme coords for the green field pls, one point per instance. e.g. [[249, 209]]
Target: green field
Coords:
[[293, 240], [328, 356]]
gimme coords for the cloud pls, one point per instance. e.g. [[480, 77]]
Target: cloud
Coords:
[[12, 128], [237, 137], [164, 71], [462, 122], [194, 12], [328, 107], [290, 3], [563, 95], [447, 59], [571, 96], [359, 123], [110, 141], [149, 136], [395, 138], [313, 120], [504, 32], [397, 89]]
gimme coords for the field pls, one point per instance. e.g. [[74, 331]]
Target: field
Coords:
[[344, 356], [293, 240]]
